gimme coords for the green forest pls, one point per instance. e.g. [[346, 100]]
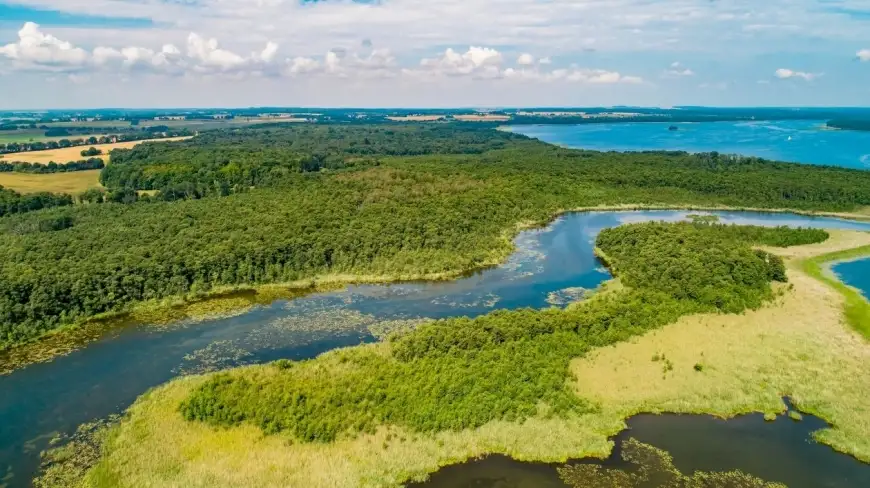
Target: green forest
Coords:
[[462, 373], [233, 161], [12, 202], [247, 207]]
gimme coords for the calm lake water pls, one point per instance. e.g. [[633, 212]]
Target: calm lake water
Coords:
[[781, 451], [550, 268], [798, 141], [855, 273]]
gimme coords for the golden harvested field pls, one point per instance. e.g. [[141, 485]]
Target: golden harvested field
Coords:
[[68, 154], [74, 182], [416, 118], [482, 118]]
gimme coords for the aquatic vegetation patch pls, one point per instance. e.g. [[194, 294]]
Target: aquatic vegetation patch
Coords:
[[65, 464], [565, 296], [653, 465], [463, 373], [216, 356]]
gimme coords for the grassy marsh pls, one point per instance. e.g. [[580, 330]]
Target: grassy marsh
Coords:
[[794, 346]]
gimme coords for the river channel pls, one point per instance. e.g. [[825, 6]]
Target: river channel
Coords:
[[551, 267]]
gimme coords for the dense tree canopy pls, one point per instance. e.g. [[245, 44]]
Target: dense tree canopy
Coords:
[[407, 201], [230, 161], [12, 202]]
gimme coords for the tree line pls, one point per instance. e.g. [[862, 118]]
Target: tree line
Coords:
[[12, 202], [51, 167], [850, 124]]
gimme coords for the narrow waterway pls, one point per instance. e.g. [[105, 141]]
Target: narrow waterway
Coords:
[[552, 267]]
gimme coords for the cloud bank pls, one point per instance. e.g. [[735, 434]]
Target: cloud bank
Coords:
[[38, 51]]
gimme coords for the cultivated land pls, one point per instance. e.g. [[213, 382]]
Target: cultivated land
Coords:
[[416, 118], [482, 118], [37, 135], [797, 345], [65, 155], [72, 183]]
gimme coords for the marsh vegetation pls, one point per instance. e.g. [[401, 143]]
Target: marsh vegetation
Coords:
[[463, 373]]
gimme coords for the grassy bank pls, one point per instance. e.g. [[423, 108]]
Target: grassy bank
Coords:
[[794, 346], [857, 309]]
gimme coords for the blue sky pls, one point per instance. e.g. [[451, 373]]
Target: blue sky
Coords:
[[158, 53]]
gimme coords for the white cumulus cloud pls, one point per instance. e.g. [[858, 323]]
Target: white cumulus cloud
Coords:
[[863, 55], [36, 49], [784, 74], [209, 55], [573, 75], [526, 59], [677, 69], [480, 61]]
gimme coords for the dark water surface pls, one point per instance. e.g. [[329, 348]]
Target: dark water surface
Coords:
[[855, 273], [800, 141], [781, 451], [550, 268]]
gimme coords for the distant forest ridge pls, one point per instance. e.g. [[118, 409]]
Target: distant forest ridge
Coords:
[[103, 118]]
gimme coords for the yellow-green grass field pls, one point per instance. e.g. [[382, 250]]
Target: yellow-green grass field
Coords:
[[30, 135], [73, 182], [67, 154], [799, 345], [93, 123]]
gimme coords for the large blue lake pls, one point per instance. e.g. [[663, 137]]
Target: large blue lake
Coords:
[[551, 267], [800, 141]]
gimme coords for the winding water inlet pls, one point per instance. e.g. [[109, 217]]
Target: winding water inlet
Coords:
[[551, 267]]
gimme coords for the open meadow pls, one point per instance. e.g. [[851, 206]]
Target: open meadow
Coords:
[[415, 118], [67, 154], [482, 118], [72, 182]]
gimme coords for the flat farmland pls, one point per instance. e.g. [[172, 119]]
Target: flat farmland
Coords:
[[73, 183], [67, 154], [29, 135], [415, 118]]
